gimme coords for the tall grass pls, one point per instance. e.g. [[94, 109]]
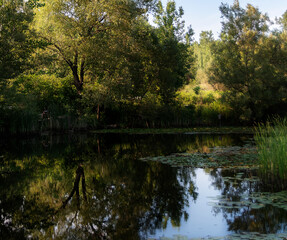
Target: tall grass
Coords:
[[271, 140]]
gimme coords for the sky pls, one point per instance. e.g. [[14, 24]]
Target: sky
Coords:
[[204, 15]]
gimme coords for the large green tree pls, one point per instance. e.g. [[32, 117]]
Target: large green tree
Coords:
[[77, 29], [173, 58], [126, 72], [247, 62], [139, 63]]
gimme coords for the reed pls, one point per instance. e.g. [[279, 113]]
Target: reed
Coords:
[[271, 141]]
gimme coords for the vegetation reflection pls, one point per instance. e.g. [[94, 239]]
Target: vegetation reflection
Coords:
[[90, 189], [243, 211]]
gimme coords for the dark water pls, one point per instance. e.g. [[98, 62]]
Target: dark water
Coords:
[[95, 187]]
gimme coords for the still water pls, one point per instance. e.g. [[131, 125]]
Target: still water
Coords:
[[97, 187]]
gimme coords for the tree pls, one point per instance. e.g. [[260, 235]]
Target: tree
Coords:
[[243, 61], [16, 42], [203, 56], [67, 26], [283, 21], [173, 59], [206, 41], [73, 27]]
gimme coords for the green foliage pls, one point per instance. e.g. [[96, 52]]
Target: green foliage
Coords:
[[19, 113], [173, 58], [271, 140], [283, 21], [106, 64], [138, 73], [88, 35], [207, 106], [26, 97], [169, 21], [203, 58], [245, 65], [16, 42], [202, 50], [196, 90], [50, 92]]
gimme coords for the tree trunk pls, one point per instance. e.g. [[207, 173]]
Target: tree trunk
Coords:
[[98, 112], [78, 78], [77, 81]]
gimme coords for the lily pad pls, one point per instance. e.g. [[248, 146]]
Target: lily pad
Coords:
[[218, 157], [253, 200], [235, 236]]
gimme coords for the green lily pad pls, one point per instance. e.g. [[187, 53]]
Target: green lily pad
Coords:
[[218, 157]]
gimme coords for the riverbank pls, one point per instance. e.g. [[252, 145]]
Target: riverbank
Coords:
[[194, 130]]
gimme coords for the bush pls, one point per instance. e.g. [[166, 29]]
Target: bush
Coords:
[[26, 97]]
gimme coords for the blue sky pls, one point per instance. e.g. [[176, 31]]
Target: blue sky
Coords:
[[204, 15]]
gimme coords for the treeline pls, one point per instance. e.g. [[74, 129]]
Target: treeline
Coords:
[[72, 64]]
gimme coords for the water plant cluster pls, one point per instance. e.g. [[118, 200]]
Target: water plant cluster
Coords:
[[217, 157], [241, 236], [271, 141], [256, 200]]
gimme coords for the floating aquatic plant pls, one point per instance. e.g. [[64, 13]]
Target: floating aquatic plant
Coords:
[[218, 157], [239, 236]]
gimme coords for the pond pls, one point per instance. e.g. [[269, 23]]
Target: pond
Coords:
[[136, 186]]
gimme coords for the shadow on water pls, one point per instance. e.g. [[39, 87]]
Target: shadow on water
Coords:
[[95, 187]]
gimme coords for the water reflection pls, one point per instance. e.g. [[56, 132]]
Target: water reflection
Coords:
[[123, 198], [124, 208], [80, 175], [248, 214], [94, 187]]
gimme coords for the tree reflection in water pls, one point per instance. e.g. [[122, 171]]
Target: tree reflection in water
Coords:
[[79, 174], [125, 198], [267, 219], [124, 209]]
